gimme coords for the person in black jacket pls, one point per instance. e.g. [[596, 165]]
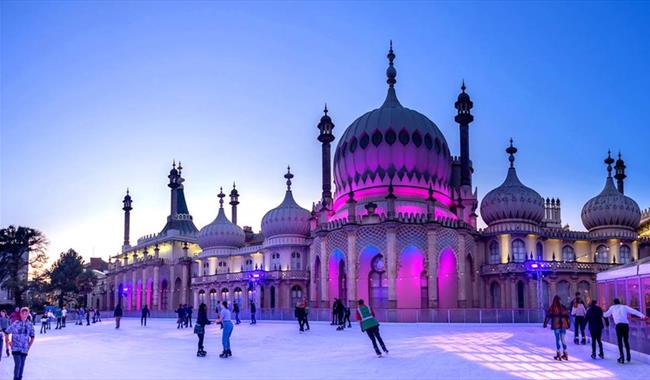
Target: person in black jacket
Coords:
[[181, 316], [199, 328], [594, 319], [235, 309], [300, 315], [253, 311], [118, 314], [145, 314]]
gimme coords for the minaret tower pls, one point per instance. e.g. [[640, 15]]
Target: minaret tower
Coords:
[[620, 173], [234, 201], [325, 126], [464, 105], [127, 218], [175, 181]]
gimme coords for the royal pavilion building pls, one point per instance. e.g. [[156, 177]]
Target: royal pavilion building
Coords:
[[399, 230]]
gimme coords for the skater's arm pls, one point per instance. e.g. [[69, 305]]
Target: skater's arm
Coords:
[[634, 312], [608, 313]]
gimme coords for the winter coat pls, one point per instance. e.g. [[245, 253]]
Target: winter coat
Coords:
[[366, 317], [118, 311], [299, 312], [145, 312], [253, 308], [559, 320], [202, 318], [235, 308], [594, 318], [4, 323]]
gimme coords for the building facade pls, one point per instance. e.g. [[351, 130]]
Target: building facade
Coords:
[[399, 231]]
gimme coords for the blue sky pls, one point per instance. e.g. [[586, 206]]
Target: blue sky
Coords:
[[98, 96]]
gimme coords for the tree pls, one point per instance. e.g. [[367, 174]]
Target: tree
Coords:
[[22, 250], [86, 282], [64, 275]]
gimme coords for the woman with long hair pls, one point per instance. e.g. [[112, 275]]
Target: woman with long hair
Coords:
[[199, 327], [558, 315]]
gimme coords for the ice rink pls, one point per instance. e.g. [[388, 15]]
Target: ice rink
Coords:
[[276, 350]]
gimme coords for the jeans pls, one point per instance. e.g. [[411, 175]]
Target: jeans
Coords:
[[596, 337], [237, 318], [253, 321], [19, 364], [579, 326], [373, 334], [227, 331], [201, 336], [143, 321], [559, 337], [622, 337]]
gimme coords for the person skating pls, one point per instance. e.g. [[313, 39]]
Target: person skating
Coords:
[[144, 315], [594, 319], [235, 309], [370, 326], [306, 314], [19, 338], [50, 317], [340, 313], [181, 316], [118, 314], [80, 316], [299, 313], [88, 316], [224, 317], [199, 327], [4, 325], [334, 311], [558, 315], [620, 312], [43, 324], [59, 319], [98, 316], [347, 317], [190, 310], [64, 314], [578, 311], [253, 310]]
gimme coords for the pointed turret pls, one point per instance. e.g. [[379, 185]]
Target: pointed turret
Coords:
[[325, 126], [464, 117], [179, 216], [234, 201], [127, 202], [620, 173]]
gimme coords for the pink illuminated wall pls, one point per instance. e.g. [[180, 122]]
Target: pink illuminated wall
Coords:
[[316, 271], [365, 260], [447, 280], [334, 273], [408, 284], [138, 295]]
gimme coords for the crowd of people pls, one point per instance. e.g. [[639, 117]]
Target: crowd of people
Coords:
[[593, 318]]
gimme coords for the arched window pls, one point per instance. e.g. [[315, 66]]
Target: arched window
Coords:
[[249, 264], [568, 254], [518, 251], [201, 296], [296, 295], [602, 254], [213, 299], [564, 292], [222, 267], [237, 295], [275, 261], [224, 294], [625, 254], [495, 295], [539, 251], [495, 256], [295, 261], [378, 283]]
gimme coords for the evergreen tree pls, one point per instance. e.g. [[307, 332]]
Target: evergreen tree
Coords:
[[22, 250], [64, 276]]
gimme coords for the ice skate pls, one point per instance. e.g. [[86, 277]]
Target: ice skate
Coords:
[[223, 355], [593, 356], [621, 360], [629, 358], [583, 341], [557, 356], [565, 356], [379, 356], [601, 355], [575, 340]]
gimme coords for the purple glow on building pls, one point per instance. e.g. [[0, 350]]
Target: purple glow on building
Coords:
[[409, 279], [365, 262], [336, 270], [447, 280]]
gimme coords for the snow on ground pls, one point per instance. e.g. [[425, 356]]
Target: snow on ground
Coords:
[[276, 350]]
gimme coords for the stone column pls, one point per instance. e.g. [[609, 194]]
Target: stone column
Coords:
[[144, 287], [324, 274], [199, 271], [196, 299], [504, 246], [212, 265], [156, 281], [184, 279], [134, 289], [172, 287], [391, 261], [460, 267], [432, 269], [352, 267], [116, 294]]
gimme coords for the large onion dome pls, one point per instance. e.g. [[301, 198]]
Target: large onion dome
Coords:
[[391, 142], [221, 233], [512, 201], [288, 219], [610, 209]]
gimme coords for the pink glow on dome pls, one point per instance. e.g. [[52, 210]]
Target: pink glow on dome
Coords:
[[401, 192], [410, 279], [447, 280], [410, 209]]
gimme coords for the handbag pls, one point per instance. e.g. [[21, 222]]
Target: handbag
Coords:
[[198, 329]]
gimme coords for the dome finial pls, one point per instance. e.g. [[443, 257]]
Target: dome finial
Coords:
[[288, 176], [221, 196], [325, 110], [609, 161], [511, 150], [391, 73], [462, 86]]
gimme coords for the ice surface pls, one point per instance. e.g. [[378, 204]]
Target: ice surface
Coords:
[[276, 350]]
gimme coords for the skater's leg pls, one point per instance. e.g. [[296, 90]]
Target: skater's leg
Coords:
[[626, 340], [381, 341], [593, 341], [619, 338], [563, 339], [372, 335], [201, 336], [556, 332]]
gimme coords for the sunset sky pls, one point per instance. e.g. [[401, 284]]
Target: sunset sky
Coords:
[[100, 96]]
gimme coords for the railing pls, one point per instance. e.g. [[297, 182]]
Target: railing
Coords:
[[546, 266], [255, 274]]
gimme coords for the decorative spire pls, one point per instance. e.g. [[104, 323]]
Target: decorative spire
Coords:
[[391, 193], [288, 176], [221, 196], [180, 168], [462, 86], [511, 150], [620, 173], [609, 161], [391, 73]]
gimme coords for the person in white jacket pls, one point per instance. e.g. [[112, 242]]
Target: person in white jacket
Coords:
[[578, 311], [619, 313]]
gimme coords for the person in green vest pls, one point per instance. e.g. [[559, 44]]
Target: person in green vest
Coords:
[[370, 326]]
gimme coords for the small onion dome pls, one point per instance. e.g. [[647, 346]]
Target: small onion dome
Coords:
[[221, 233], [512, 200], [610, 208], [288, 218]]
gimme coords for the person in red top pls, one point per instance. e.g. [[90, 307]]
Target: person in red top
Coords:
[[15, 316]]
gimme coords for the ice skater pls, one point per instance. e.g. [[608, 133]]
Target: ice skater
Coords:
[[559, 317], [59, 319], [594, 319], [64, 314], [189, 309], [253, 310], [199, 328], [347, 317], [180, 322], [306, 314], [620, 312], [98, 316], [224, 317], [19, 338], [370, 326], [334, 310], [299, 313], [144, 315], [4, 325], [44, 324], [118, 314], [88, 316], [235, 309], [578, 311]]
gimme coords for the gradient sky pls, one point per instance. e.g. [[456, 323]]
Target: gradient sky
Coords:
[[98, 96]]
